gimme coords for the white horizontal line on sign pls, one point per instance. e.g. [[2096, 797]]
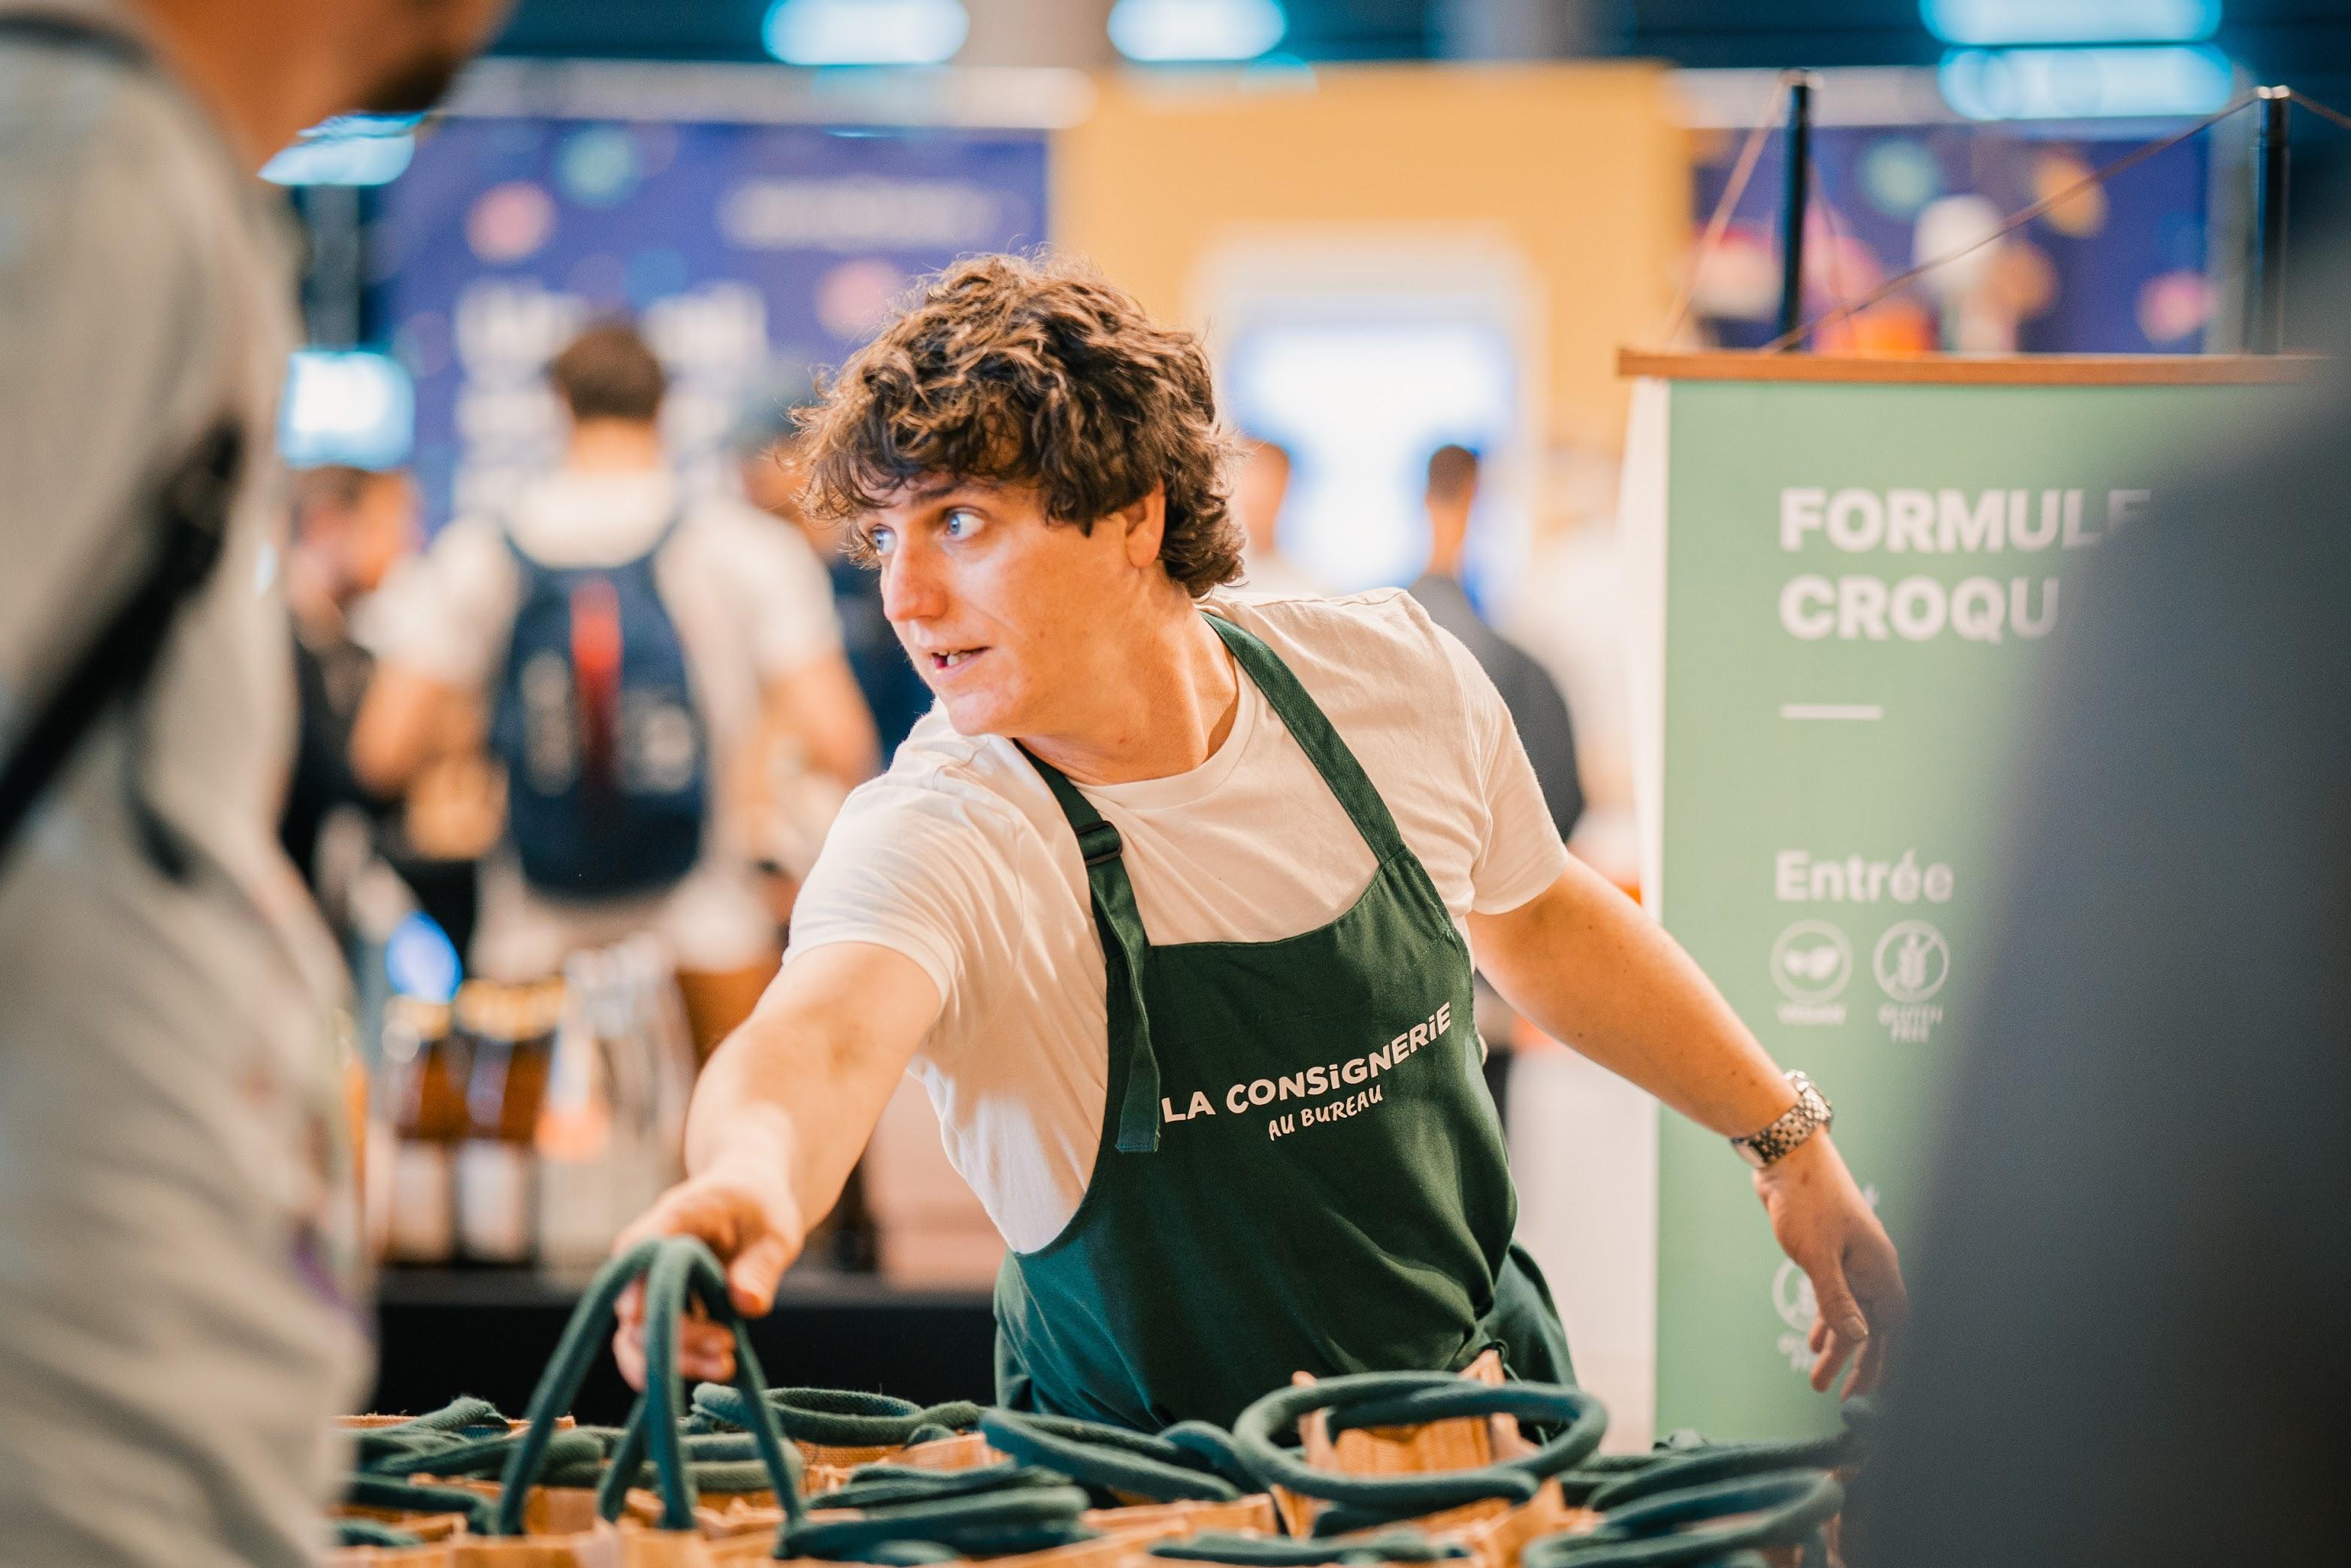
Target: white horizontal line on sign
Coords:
[[1832, 710]]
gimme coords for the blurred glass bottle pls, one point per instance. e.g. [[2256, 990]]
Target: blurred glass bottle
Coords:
[[511, 1033], [583, 1198], [424, 1071]]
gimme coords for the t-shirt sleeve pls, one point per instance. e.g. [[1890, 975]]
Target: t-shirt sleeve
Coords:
[[1521, 853], [789, 596], [937, 876], [449, 612]]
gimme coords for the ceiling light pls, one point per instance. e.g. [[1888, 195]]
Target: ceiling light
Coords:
[[2085, 84], [865, 32], [1164, 31], [2070, 21]]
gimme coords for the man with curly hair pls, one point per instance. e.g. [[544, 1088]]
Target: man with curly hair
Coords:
[[1170, 904]]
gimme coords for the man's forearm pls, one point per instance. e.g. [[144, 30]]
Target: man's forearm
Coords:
[[1591, 968], [791, 1099]]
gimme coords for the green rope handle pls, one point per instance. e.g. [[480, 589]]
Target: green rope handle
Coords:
[[1277, 1552], [686, 1268], [888, 1486], [459, 1415], [483, 1455], [1676, 1469], [673, 1266], [906, 1554], [1785, 1509], [381, 1491], [972, 1525], [1090, 1459], [1407, 1397], [373, 1532], [840, 1417], [1212, 1447]]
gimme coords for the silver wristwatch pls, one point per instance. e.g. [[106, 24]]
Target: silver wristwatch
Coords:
[[1811, 1113]]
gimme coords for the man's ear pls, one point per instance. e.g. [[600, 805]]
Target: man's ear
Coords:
[[1145, 524]]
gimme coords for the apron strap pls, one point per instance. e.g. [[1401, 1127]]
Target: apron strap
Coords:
[[1136, 1098], [1133, 1086], [1312, 730]]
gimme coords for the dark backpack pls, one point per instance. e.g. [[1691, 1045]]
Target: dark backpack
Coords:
[[607, 757]]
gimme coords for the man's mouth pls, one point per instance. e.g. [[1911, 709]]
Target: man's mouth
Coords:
[[945, 661]]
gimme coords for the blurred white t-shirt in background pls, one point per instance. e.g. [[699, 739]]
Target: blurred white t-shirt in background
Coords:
[[750, 602]]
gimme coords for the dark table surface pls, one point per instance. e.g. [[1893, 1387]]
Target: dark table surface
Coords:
[[489, 1332]]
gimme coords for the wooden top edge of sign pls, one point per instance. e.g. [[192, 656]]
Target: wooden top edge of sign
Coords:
[[1978, 370]]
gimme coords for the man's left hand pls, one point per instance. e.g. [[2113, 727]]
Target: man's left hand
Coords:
[[1827, 1228]]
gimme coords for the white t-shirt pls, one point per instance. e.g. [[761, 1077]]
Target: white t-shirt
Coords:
[[750, 602], [960, 858], [181, 1297]]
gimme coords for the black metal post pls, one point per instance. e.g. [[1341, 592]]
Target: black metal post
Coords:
[[1793, 204], [2265, 276]]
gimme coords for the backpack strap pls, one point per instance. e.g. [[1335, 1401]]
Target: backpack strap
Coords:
[[192, 516]]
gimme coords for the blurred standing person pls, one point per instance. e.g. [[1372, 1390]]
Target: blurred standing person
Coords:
[[351, 526], [767, 447], [627, 638], [2129, 1346], [1527, 691], [1259, 491], [178, 1275]]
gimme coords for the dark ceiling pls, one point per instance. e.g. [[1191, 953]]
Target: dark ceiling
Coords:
[[2277, 39]]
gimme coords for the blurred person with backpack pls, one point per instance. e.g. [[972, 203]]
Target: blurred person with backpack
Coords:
[[626, 639], [182, 1297]]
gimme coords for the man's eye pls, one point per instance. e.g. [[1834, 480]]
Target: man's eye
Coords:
[[880, 541], [960, 523]]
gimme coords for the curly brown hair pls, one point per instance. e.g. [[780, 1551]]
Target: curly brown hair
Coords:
[[1031, 371]]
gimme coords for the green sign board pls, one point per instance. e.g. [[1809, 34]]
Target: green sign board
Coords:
[[1862, 586]]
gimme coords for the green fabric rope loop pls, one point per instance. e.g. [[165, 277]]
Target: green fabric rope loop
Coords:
[[374, 1532], [1676, 1469], [673, 1268], [1277, 1552], [839, 1417], [1415, 1396], [408, 1497], [483, 1455], [889, 1486], [970, 1524], [1101, 1464], [1784, 1509]]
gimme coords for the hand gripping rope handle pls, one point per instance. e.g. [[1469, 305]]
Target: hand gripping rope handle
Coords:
[[1106, 1457], [674, 1268], [1784, 1509], [1402, 1398]]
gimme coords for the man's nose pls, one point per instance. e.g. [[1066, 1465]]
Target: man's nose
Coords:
[[910, 589]]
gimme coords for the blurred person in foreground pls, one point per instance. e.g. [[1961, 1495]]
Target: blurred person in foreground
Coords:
[[626, 638], [1527, 691], [2132, 1341], [1260, 490], [180, 1309], [350, 528], [765, 443], [1147, 818]]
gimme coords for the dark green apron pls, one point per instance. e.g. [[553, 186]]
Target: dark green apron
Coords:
[[1301, 1168]]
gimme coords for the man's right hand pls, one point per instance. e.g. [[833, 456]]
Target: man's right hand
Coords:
[[750, 1220]]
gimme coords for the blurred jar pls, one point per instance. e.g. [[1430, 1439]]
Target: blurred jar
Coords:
[[510, 1031], [423, 1073]]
